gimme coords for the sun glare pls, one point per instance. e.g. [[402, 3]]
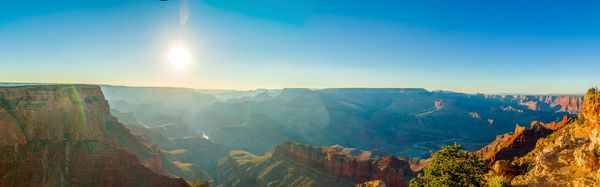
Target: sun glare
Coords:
[[179, 57]]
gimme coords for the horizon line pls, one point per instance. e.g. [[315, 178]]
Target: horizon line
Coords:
[[281, 88]]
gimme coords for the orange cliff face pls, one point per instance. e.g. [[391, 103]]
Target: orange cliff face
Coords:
[[64, 135], [591, 108], [590, 114], [569, 156], [520, 142]]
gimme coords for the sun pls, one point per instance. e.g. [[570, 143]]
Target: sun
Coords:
[[179, 57]]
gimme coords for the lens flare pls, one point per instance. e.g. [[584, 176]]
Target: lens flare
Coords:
[[183, 13]]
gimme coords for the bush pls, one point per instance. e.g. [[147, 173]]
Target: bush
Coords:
[[452, 166], [523, 165], [498, 181]]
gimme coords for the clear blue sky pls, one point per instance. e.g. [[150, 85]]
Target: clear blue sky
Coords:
[[468, 46]]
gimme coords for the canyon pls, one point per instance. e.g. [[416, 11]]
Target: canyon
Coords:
[[70, 133]]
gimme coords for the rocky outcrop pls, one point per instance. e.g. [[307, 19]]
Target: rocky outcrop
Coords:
[[568, 157], [300, 164], [64, 135], [591, 109], [520, 142], [565, 162]]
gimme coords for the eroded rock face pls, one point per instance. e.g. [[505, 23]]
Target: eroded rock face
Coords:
[[571, 104], [571, 158], [320, 166], [520, 142], [64, 135], [566, 162], [591, 108]]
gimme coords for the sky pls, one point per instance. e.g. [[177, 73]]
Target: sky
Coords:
[[492, 46]]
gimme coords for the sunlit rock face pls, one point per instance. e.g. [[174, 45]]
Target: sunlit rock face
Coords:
[[569, 156], [54, 113], [591, 108], [570, 103], [64, 135], [299, 164], [520, 142]]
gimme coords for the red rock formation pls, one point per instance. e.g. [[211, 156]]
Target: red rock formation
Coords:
[[568, 157], [391, 170], [591, 109], [520, 142], [571, 104], [555, 125], [294, 164], [64, 135], [590, 114]]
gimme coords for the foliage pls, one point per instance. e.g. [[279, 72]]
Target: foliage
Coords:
[[452, 166], [498, 181], [523, 165]]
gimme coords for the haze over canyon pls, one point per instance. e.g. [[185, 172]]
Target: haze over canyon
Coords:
[[290, 137]]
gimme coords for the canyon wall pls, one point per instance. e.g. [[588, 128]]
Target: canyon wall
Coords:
[[64, 135], [520, 142], [323, 166], [568, 156], [564, 103]]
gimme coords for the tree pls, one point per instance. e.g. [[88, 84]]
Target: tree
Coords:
[[451, 166]]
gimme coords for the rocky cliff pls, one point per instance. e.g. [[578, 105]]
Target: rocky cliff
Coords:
[[520, 142], [566, 157], [64, 135], [298, 164], [570, 103], [566, 161]]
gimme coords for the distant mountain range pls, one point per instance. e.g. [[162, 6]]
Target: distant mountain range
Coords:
[[401, 121]]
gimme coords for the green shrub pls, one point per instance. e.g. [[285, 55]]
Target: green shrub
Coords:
[[498, 181], [523, 165], [452, 166]]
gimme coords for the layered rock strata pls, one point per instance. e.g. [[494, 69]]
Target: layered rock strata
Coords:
[[64, 135]]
